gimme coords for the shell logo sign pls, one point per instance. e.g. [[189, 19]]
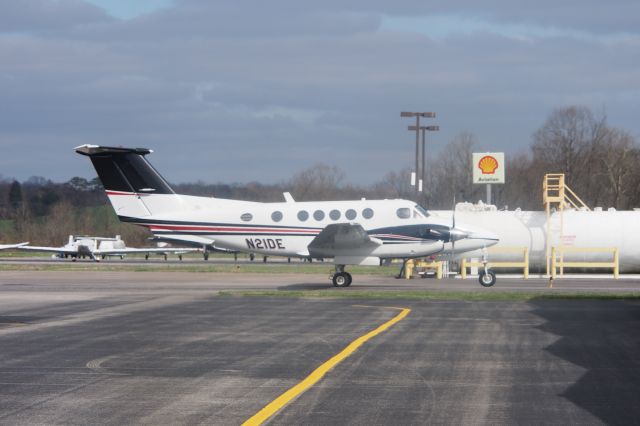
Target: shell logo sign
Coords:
[[488, 167]]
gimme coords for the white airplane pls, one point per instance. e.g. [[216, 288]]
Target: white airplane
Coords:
[[361, 232], [12, 246], [97, 247]]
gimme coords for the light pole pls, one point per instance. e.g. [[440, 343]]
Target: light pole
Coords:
[[424, 129], [417, 115]]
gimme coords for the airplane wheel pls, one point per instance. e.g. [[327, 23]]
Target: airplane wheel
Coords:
[[488, 278], [206, 255], [146, 257], [180, 257], [342, 279]]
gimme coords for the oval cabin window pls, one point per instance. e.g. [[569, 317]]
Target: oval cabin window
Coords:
[[303, 215], [246, 217], [276, 216], [351, 214], [367, 213]]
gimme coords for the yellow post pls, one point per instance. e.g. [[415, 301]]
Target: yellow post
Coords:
[[463, 268], [616, 263], [408, 269], [553, 262], [526, 263]]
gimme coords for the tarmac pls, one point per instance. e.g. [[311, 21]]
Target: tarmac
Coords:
[[164, 348]]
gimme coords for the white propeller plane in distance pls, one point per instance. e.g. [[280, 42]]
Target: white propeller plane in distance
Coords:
[[12, 246], [358, 232], [99, 247]]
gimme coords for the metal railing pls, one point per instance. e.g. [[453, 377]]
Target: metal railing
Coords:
[[558, 262], [524, 263]]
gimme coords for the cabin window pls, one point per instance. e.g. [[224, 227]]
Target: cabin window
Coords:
[[334, 214], [351, 214], [276, 216], [318, 215], [404, 213], [303, 215], [246, 217], [367, 213]]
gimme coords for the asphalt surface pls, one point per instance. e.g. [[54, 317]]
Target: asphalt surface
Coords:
[[164, 348]]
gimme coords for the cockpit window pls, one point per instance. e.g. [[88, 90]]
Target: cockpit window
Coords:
[[404, 213], [421, 211]]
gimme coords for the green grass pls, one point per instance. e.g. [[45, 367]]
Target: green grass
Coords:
[[255, 268], [483, 295]]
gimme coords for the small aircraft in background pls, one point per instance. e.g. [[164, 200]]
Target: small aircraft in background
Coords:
[[12, 246], [100, 247]]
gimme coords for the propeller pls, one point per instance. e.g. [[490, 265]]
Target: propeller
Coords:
[[453, 225], [455, 234]]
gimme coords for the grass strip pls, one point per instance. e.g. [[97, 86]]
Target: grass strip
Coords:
[[489, 295], [257, 268]]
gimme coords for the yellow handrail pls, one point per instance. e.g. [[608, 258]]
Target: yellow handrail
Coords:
[[524, 264], [558, 262]]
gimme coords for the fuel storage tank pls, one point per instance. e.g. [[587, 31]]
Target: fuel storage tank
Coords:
[[574, 228]]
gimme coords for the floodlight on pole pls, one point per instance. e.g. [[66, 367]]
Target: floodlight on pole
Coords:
[[417, 115], [422, 176]]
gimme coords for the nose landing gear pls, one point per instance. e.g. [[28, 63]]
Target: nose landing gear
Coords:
[[486, 277]]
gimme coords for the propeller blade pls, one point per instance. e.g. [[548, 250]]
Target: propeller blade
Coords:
[[453, 225]]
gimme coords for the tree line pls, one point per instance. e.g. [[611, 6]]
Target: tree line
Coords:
[[599, 162]]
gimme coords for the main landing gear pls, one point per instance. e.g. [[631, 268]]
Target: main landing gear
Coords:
[[341, 278]]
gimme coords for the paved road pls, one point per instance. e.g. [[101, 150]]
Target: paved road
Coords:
[[162, 348]]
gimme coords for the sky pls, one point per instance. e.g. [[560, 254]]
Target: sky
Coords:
[[254, 90]]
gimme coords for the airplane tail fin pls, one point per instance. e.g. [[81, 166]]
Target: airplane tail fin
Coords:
[[135, 189]]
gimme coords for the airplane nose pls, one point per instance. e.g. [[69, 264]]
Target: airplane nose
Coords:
[[487, 237]]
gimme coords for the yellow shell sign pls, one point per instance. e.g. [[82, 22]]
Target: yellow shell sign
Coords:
[[488, 167]]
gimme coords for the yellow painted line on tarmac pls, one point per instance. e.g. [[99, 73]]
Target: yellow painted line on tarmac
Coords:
[[313, 378]]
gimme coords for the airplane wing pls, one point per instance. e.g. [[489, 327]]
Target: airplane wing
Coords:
[[74, 252], [48, 249], [343, 239], [176, 250], [12, 246]]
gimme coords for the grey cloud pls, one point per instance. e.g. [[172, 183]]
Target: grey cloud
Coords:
[[47, 15], [240, 103]]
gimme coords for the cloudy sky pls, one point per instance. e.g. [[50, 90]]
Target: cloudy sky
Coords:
[[237, 90]]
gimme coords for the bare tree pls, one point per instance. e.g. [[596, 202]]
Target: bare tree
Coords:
[[618, 160], [319, 182], [569, 142], [451, 173], [395, 185]]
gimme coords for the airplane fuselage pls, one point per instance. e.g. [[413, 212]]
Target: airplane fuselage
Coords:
[[287, 228]]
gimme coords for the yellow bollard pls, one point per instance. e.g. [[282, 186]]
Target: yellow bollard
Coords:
[[408, 269]]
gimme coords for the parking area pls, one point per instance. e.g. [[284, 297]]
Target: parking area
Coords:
[[114, 348]]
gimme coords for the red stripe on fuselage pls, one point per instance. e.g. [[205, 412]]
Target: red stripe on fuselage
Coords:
[[228, 229]]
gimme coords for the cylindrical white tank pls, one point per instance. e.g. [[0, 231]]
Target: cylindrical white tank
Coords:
[[582, 229]]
